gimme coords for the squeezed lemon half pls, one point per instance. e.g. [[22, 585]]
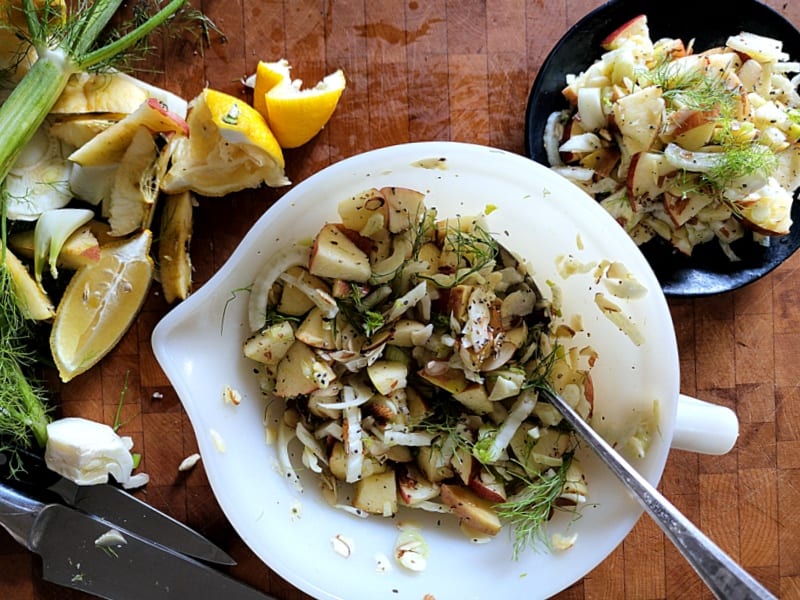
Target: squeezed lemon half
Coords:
[[100, 303], [229, 148]]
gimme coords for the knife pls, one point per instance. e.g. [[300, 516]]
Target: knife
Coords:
[[116, 506], [75, 554]]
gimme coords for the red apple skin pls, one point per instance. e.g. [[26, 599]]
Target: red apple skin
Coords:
[[363, 243], [634, 23], [629, 180], [494, 493], [180, 122], [408, 482]]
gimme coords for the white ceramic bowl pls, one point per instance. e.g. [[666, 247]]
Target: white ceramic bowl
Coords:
[[539, 216]]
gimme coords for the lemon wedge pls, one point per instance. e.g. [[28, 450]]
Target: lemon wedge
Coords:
[[100, 303], [295, 115], [229, 148]]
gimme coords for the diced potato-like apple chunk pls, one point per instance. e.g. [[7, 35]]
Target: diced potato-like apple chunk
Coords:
[[335, 256], [473, 510], [377, 494]]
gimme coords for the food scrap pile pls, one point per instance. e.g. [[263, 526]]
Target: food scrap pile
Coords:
[[96, 165], [406, 352], [685, 146]]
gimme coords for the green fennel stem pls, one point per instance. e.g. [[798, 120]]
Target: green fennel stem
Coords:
[[34, 413], [19, 116]]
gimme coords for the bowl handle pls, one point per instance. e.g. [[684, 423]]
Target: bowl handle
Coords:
[[704, 427]]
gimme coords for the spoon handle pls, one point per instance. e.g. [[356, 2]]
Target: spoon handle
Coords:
[[726, 579]]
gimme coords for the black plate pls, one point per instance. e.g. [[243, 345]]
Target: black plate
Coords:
[[709, 23]]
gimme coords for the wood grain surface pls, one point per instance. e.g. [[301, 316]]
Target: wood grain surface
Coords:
[[458, 70]]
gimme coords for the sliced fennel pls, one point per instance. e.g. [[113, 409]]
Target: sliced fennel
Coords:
[[52, 229]]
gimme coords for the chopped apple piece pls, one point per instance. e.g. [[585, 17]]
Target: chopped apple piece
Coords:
[[293, 301], [108, 147], [590, 108], [387, 375], [445, 377], [377, 494], [767, 210], [602, 161], [413, 487], [365, 213], [301, 372], [637, 26], [475, 398], [433, 464], [316, 331], [690, 128], [681, 208], [335, 256], [473, 510], [271, 344], [463, 464], [405, 207], [337, 461], [407, 333], [487, 486], [646, 174], [760, 48], [638, 117]]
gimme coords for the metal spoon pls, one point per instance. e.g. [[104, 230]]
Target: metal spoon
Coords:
[[726, 579]]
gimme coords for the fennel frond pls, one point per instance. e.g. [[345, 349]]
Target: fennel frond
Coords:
[[529, 509]]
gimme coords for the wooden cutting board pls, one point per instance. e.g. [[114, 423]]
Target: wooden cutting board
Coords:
[[457, 70]]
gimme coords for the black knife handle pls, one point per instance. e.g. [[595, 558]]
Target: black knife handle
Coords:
[[18, 513]]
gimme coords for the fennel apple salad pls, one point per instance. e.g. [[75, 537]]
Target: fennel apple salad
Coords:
[[688, 147], [405, 352]]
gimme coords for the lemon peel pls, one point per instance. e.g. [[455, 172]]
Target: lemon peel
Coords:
[[267, 76]]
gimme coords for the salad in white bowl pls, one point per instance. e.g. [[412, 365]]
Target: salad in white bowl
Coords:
[[406, 353], [561, 238]]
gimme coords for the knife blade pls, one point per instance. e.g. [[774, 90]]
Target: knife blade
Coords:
[[74, 555], [117, 506]]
